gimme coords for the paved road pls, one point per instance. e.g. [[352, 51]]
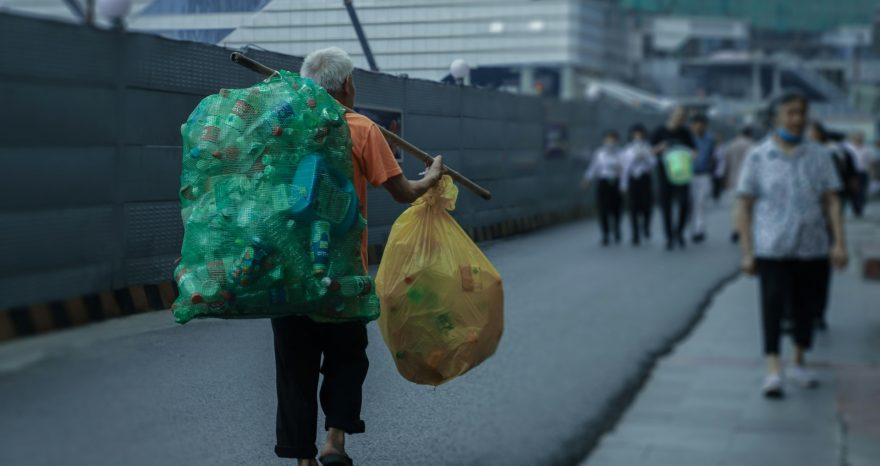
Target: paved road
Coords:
[[583, 323]]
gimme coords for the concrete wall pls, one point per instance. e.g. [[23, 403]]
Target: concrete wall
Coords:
[[90, 151]]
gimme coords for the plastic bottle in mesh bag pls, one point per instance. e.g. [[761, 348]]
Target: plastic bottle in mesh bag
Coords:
[[262, 169]]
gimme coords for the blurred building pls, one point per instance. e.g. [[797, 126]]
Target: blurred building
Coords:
[[770, 15], [547, 46], [689, 49], [534, 46], [67, 10], [750, 51]]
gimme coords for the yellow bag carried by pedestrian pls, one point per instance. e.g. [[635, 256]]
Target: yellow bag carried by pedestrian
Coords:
[[442, 300]]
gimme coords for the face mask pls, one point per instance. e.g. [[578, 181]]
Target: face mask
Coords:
[[788, 137]]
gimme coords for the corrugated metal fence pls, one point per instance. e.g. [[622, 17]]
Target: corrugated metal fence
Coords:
[[90, 152]]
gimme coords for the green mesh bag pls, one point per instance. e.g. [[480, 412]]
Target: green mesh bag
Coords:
[[271, 218], [679, 165]]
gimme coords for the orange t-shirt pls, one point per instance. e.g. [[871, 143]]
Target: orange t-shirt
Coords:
[[373, 162]]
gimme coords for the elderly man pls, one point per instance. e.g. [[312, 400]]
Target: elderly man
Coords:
[[300, 342], [787, 206]]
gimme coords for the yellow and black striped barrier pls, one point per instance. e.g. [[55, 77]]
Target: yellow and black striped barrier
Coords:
[[35, 319]]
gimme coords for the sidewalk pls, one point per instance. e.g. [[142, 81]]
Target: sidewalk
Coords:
[[702, 404]]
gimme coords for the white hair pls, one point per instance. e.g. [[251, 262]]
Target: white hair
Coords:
[[328, 67]]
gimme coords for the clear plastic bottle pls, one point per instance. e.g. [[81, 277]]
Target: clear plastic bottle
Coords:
[[197, 289], [350, 286]]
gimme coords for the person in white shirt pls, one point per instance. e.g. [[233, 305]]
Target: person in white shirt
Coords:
[[862, 157], [606, 167], [638, 165]]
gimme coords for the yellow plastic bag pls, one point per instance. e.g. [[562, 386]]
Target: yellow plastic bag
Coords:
[[442, 300]]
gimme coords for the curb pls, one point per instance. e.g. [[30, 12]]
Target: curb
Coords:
[[60, 314], [578, 449]]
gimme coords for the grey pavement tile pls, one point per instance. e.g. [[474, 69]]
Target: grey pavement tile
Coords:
[[661, 396], [738, 393], [777, 457], [700, 438], [662, 455], [792, 407], [783, 426], [613, 462], [782, 443], [710, 401], [719, 418], [609, 454]]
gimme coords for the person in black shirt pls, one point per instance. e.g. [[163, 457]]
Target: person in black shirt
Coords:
[[673, 133]]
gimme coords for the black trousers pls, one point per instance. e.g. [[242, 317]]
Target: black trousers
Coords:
[[641, 205], [799, 286], [680, 196], [299, 344], [610, 202], [860, 195]]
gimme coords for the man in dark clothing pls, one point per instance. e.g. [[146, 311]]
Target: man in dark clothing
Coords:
[[673, 134]]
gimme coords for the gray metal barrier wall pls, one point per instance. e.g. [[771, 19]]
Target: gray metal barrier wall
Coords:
[[90, 149]]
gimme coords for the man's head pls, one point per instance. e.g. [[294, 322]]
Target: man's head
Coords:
[[676, 118], [610, 137], [857, 138], [747, 132], [638, 132], [790, 113], [331, 68], [699, 123]]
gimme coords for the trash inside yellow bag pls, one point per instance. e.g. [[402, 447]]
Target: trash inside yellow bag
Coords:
[[442, 300]]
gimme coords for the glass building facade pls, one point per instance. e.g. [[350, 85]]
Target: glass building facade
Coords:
[[778, 15]]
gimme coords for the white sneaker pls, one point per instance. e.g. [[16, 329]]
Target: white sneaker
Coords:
[[803, 376], [772, 387]]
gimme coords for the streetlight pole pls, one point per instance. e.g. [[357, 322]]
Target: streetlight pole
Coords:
[[362, 38], [90, 12]]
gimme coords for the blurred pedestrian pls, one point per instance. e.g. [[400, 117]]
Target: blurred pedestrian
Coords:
[[607, 167], [787, 209], [862, 155], [874, 185], [845, 160], [638, 167], [674, 136], [844, 168], [844, 164], [731, 156], [301, 343], [719, 174], [704, 171]]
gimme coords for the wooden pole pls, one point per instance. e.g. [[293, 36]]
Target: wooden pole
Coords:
[[403, 143]]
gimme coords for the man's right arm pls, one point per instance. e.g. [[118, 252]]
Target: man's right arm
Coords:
[[406, 191]]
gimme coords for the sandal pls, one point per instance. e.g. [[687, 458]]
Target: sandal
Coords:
[[335, 460]]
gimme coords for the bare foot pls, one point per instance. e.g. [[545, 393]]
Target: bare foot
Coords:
[[335, 444]]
